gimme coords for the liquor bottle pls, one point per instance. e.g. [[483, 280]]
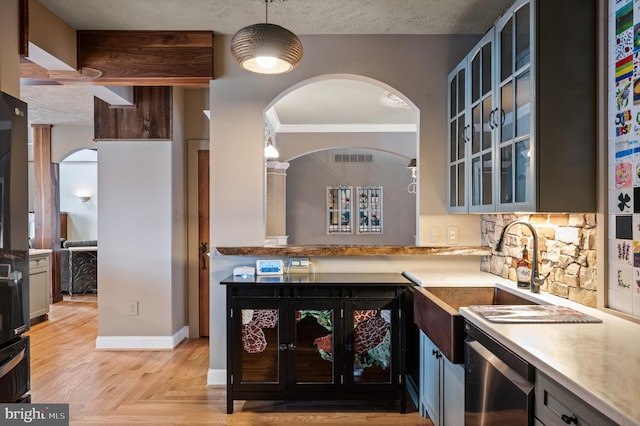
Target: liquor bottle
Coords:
[[523, 269]]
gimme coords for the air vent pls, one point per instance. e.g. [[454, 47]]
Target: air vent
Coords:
[[353, 158]]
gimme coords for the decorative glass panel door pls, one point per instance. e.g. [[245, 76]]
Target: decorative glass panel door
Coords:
[[316, 335], [259, 348], [370, 209], [373, 328], [339, 210]]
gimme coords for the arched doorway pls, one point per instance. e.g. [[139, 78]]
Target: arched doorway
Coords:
[[330, 114]]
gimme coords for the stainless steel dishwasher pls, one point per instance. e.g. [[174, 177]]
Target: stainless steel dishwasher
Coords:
[[499, 385]]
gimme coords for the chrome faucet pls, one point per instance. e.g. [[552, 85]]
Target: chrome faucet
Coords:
[[536, 282]]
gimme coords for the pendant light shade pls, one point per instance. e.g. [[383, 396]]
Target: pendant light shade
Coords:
[[266, 48]]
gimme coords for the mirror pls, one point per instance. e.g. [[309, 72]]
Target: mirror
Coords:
[[350, 132]]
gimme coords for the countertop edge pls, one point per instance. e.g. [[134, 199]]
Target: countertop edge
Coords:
[[329, 250]]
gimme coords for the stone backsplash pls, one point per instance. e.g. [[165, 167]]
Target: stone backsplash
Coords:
[[566, 245]]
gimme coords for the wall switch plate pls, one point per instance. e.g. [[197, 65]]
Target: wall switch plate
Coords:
[[133, 308], [435, 234], [452, 234]]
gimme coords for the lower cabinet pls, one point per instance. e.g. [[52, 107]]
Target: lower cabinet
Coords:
[[39, 286], [332, 344], [557, 406], [441, 386]]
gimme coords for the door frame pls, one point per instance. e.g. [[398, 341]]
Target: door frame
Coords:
[[193, 239]]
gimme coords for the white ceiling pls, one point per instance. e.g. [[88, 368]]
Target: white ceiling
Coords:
[[338, 101]]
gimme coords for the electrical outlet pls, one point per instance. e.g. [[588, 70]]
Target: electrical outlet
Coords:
[[299, 264], [133, 308], [452, 234]]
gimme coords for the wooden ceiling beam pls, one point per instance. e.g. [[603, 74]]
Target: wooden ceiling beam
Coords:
[[134, 58], [143, 58]]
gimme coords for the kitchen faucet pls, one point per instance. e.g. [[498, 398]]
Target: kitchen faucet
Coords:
[[535, 281]]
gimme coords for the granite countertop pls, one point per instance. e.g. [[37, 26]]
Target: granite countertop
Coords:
[[597, 362], [342, 250]]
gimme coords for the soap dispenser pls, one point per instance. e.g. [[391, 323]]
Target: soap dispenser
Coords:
[[523, 269]]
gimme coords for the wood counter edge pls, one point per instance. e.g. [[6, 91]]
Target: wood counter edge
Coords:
[[314, 251]]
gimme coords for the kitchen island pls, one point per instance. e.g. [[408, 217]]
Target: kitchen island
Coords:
[[325, 336], [598, 363]]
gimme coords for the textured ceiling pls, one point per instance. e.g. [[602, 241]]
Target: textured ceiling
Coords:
[[71, 105], [300, 16]]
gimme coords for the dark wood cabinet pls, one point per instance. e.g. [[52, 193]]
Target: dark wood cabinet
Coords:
[[317, 337]]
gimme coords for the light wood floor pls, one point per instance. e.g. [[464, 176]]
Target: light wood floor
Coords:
[[156, 387]]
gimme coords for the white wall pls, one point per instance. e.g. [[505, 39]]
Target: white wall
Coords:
[[142, 253], [79, 176]]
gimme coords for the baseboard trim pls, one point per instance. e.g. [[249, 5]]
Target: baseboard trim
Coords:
[[216, 377], [141, 343]]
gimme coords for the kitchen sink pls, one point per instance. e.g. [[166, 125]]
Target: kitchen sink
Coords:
[[436, 312]]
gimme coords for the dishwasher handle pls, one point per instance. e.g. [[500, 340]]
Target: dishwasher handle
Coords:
[[512, 375]]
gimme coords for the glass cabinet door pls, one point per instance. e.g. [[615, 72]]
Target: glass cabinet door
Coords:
[[483, 122], [514, 118], [259, 349], [458, 135], [372, 344], [316, 335]]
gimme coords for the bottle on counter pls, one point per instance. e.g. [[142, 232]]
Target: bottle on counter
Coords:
[[523, 269]]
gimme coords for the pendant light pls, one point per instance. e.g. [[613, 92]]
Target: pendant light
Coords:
[[266, 48]]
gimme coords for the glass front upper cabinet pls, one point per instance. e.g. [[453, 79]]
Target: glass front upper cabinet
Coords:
[[484, 120], [458, 134], [514, 50]]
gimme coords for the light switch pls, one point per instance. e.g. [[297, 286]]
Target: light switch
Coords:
[[435, 234]]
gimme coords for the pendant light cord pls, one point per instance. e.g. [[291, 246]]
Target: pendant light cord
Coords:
[[266, 11]]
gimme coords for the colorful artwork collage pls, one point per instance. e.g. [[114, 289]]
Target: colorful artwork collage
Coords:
[[624, 156]]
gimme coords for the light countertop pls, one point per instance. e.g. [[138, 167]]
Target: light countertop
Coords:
[[37, 252], [597, 362]]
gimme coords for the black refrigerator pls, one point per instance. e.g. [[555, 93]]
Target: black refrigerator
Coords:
[[14, 252]]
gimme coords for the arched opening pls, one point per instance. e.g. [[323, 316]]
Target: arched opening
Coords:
[[79, 195], [318, 124]]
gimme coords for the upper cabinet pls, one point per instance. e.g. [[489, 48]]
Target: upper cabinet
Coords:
[[529, 113]]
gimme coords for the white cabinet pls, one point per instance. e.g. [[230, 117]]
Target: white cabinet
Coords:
[[441, 386], [39, 286], [530, 107]]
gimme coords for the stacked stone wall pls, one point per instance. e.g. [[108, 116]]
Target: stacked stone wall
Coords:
[[566, 246]]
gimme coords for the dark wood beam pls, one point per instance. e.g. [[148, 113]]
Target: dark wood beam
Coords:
[[46, 204], [144, 58], [149, 118]]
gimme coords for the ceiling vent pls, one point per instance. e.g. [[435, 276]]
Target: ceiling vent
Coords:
[[353, 158]]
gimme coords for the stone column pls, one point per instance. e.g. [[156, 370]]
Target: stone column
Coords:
[[276, 202]]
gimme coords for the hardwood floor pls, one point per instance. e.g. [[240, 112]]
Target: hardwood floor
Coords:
[[157, 387]]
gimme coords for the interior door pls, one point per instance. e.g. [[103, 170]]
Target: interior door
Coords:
[[203, 233]]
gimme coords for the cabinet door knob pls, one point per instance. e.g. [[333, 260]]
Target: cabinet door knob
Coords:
[[434, 352], [291, 346], [283, 346]]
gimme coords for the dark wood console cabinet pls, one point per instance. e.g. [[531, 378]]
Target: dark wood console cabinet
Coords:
[[317, 337]]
